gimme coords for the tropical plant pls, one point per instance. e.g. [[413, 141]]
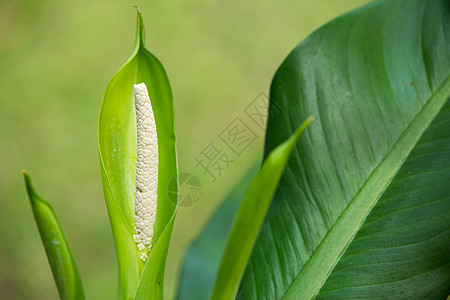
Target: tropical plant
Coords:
[[363, 207], [360, 210]]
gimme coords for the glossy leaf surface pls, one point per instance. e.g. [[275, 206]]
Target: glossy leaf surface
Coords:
[[363, 209]]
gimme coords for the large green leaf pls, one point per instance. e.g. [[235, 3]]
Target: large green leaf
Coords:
[[250, 216], [117, 149], [203, 255], [62, 263], [363, 209]]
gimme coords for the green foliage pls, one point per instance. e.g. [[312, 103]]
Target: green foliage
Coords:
[[203, 256], [151, 282], [363, 210], [64, 268], [362, 207], [57, 58], [117, 148], [250, 216]]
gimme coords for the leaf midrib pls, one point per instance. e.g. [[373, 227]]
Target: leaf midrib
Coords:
[[311, 278]]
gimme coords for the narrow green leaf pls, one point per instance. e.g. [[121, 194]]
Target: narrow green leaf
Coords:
[[62, 263], [202, 258], [118, 150], [250, 216], [364, 211]]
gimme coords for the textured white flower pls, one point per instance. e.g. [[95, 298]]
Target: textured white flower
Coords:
[[146, 171]]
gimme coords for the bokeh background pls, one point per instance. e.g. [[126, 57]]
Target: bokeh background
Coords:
[[56, 58]]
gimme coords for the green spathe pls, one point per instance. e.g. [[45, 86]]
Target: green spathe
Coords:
[[117, 150]]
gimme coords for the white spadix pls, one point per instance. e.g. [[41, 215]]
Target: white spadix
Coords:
[[146, 171]]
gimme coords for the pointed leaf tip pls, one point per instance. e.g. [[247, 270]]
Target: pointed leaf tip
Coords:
[[250, 217], [140, 30], [62, 263]]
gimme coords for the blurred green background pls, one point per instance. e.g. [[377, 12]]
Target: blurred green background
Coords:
[[56, 58]]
